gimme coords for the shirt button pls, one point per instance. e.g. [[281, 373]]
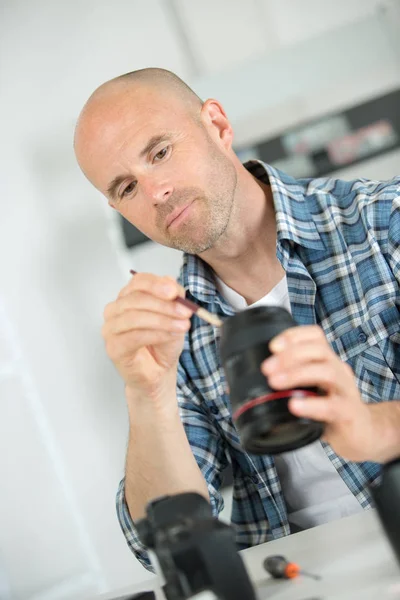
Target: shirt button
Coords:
[[362, 337], [214, 410], [254, 478]]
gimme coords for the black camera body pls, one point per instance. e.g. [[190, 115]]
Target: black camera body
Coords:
[[386, 496], [195, 551]]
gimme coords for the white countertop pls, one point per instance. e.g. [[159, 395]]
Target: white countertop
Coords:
[[351, 555]]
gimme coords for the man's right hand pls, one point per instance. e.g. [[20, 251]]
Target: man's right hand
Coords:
[[144, 330]]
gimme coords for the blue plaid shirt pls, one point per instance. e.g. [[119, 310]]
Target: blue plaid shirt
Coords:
[[338, 242]]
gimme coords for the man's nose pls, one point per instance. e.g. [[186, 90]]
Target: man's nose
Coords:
[[158, 190]]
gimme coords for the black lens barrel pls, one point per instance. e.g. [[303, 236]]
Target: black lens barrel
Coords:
[[263, 420]]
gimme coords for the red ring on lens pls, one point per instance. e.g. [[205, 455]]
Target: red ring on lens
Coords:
[[268, 397]]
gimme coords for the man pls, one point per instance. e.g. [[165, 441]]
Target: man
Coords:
[[327, 250]]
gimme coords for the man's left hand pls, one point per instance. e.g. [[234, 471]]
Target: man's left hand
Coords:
[[302, 358]]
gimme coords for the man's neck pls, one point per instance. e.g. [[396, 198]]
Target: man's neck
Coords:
[[245, 256], [255, 282]]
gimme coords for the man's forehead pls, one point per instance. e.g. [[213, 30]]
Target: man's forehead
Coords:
[[115, 129], [135, 118]]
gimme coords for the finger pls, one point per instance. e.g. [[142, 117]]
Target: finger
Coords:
[[329, 378], [296, 335], [138, 300], [319, 409], [127, 344], [297, 355], [132, 320], [162, 287]]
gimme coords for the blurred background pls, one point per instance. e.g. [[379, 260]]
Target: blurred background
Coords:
[[311, 86]]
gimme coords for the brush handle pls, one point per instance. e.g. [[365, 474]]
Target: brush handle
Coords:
[[198, 310]]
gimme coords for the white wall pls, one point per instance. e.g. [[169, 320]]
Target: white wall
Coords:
[[62, 415], [63, 436], [296, 82]]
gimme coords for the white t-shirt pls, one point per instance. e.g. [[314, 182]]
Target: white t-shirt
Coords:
[[313, 490]]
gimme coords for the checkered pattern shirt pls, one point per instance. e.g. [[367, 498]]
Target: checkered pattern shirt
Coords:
[[338, 242]]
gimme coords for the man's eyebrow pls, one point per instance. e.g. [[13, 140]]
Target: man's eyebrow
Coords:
[[152, 143], [112, 188]]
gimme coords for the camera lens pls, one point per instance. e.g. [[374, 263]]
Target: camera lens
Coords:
[[260, 413]]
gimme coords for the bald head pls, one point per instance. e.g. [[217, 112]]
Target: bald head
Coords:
[[151, 146], [150, 88], [160, 79], [150, 82]]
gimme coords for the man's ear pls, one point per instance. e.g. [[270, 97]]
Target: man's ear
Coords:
[[217, 123]]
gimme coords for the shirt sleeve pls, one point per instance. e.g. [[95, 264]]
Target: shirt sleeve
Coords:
[[208, 449], [394, 235], [129, 529], [206, 442]]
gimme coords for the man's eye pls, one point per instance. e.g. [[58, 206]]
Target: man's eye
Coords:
[[161, 154], [129, 189]]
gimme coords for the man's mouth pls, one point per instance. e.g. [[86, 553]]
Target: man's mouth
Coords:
[[177, 215]]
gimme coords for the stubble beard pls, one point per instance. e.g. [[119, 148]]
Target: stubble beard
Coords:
[[211, 215], [201, 232]]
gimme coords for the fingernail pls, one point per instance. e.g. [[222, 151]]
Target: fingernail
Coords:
[[270, 364], [277, 344], [296, 404]]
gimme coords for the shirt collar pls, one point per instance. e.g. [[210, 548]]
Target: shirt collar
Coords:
[[294, 222]]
